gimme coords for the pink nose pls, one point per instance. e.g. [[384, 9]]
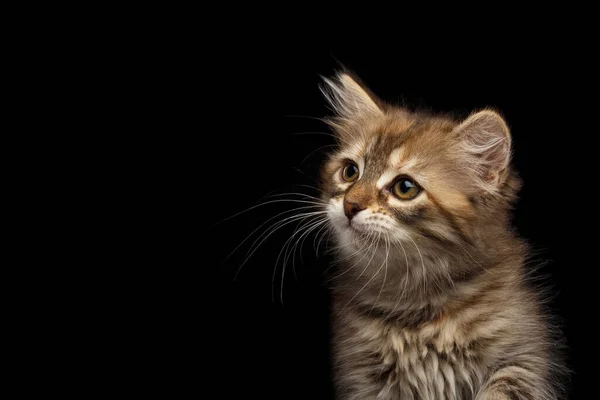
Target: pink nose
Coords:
[[351, 209]]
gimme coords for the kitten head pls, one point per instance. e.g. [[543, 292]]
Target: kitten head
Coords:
[[426, 183]]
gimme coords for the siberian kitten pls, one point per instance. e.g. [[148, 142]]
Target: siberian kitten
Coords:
[[431, 300]]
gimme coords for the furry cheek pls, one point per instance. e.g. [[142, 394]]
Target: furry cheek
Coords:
[[335, 212]]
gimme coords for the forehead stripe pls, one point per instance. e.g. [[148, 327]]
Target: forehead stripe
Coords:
[[386, 178], [396, 157]]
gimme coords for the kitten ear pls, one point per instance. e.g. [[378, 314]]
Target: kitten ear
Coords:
[[485, 142], [348, 98]]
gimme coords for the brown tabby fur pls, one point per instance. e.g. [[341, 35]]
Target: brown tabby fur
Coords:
[[431, 299]]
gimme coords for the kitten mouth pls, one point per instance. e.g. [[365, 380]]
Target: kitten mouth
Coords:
[[358, 229], [365, 231]]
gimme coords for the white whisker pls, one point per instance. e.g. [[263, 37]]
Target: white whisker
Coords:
[[374, 252], [387, 253], [317, 149], [320, 203], [307, 227], [320, 235], [263, 224], [272, 229], [337, 138], [298, 194], [366, 284], [366, 252], [406, 277]]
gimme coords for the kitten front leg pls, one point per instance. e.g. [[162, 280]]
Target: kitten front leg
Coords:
[[514, 383]]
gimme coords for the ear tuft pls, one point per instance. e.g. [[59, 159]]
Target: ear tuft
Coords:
[[485, 142], [348, 99]]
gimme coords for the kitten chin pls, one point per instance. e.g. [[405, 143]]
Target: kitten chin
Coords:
[[431, 299]]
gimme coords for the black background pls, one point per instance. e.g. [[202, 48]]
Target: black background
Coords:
[[263, 94]]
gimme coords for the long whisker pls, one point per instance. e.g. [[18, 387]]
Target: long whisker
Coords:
[[306, 175], [308, 227], [287, 243], [263, 224], [366, 284], [337, 138], [298, 194], [371, 259], [321, 203], [305, 116], [323, 223], [406, 277], [339, 260], [277, 261], [301, 226], [312, 187], [387, 253], [317, 149], [345, 245], [272, 229], [316, 244], [366, 252], [275, 226]]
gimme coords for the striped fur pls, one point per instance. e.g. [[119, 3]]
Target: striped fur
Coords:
[[431, 299]]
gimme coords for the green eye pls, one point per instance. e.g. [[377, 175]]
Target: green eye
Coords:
[[350, 172], [406, 189]]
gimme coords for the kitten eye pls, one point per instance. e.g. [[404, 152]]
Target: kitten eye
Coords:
[[350, 172], [406, 189]]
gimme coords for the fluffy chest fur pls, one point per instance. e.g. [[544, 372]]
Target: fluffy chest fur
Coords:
[[436, 361], [446, 358]]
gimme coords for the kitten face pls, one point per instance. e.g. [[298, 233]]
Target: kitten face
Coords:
[[405, 184], [422, 182]]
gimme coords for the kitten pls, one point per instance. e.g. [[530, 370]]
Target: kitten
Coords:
[[432, 300]]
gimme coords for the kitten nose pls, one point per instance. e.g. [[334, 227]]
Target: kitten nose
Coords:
[[351, 209]]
